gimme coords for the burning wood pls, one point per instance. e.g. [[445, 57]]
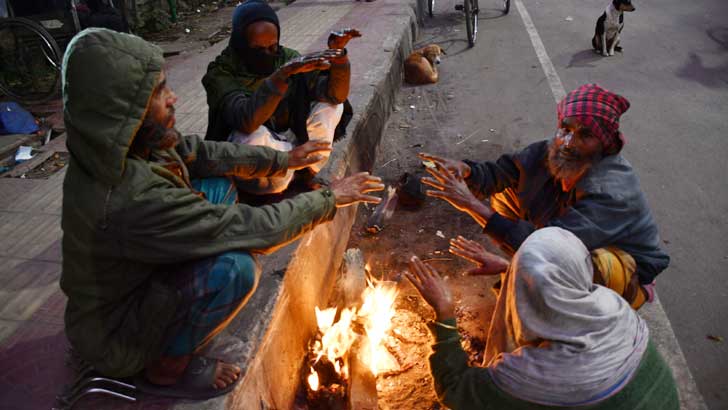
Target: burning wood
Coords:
[[353, 279], [349, 352], [363, 387]]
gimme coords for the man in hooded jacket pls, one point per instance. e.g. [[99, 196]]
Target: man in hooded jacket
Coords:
[[258, 90], [157, 255]]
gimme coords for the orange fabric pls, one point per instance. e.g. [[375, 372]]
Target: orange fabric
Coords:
[[615, 269]]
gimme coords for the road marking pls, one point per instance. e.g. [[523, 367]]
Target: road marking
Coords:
[[557, 88], [660, 328]]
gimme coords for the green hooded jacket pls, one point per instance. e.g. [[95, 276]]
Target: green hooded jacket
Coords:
[[126, 220]]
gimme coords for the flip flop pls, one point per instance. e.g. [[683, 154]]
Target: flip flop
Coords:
[[195, 382]]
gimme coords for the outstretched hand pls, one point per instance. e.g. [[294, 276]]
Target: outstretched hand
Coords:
[[310, 62], [353, 189], [308, 154], [449, 187], [487, 263], [458, 168], [339, 39], [431, 287]]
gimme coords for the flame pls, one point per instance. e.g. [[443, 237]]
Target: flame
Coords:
[[325, 318], [313, 380], [377, 312], [337, 338]]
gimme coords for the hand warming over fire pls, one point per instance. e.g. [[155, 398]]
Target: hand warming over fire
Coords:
[[305, 155], [432, 288], [488, 263], [459, 168], [352, 189], [453, 189]]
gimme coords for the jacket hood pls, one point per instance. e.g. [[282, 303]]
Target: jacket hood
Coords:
[[108, 80]]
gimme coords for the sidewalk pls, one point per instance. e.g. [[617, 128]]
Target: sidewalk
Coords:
[[32, 342]]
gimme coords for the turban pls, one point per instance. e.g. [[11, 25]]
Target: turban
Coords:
[[599, 110]]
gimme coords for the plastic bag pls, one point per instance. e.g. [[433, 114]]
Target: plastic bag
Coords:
[[14, 119]]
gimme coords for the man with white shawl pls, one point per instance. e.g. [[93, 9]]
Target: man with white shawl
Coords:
[[556, 340]]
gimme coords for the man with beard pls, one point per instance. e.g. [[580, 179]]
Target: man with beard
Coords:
[[158, 256], [257, 90], [577, 181]]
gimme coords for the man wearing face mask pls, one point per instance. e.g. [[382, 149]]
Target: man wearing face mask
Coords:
[[257, 90], [577, 181]]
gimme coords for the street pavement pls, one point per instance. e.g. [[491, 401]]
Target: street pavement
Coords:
[[674, 70]]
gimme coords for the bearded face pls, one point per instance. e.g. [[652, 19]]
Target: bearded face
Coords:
[[572, 152], [157, 131], [155, 134]]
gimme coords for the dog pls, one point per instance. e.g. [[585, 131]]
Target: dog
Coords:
[[421, 66], [609, 26]]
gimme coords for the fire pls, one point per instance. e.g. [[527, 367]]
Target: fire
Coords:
[[376, 313], [337, 338], [313, 380]]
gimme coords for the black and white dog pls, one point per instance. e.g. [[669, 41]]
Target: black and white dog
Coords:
[[609, 25]]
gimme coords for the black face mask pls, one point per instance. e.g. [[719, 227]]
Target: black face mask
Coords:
[[259, 61]]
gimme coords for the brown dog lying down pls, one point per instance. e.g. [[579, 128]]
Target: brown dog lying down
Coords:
[[421, 66]]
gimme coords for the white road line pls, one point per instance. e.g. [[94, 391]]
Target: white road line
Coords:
[[557, 88], [661, 329]]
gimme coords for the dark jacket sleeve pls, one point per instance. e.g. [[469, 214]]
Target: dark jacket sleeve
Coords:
[[458, 385], [246, 112], [213, 158], [487, 177], [591, 219], [333, 86]]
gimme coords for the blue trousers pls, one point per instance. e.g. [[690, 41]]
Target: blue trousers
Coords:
[[213, 289]]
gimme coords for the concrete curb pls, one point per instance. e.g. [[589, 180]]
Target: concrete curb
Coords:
[[270, 339]]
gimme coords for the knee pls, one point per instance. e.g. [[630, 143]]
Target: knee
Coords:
[[325, 111], [239, 271]]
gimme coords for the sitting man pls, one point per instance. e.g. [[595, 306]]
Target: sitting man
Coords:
[[157, 255], [576, 181], [258, 89]]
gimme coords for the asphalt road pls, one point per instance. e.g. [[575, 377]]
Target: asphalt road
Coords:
[[674, 70]]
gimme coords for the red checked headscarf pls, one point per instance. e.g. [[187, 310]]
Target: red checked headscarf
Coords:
[[599, 110]]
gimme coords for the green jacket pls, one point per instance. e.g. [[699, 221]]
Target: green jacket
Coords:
[[239, 100], [126, 220], [461, 387]]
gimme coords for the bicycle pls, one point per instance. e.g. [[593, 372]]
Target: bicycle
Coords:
[[471, 10], [30, 61], [32, 41]]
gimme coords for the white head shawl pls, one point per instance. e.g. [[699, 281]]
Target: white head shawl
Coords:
[[556, 338]]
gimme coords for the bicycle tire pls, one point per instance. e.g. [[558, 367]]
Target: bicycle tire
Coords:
[[430, 7], [34, 37], [471, 22], [506, 6]]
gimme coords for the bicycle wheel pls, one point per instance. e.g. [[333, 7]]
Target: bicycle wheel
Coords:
[[471, 20], [430, 6], [30, 61], [506, 6]]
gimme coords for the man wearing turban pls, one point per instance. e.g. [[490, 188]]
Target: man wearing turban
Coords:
[[577, 181]]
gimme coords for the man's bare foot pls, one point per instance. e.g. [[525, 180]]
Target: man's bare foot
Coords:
[[167, 371]]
